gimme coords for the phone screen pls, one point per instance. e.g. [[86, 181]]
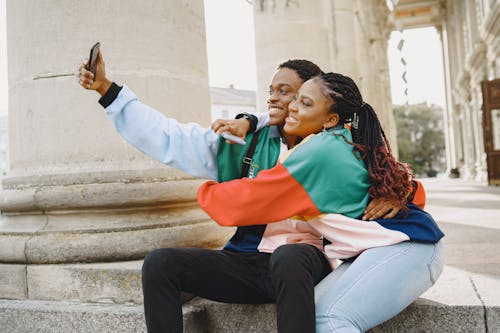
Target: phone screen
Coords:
[[94, 52]]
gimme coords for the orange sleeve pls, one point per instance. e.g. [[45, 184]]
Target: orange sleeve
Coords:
[[419, 196], [272, 196]]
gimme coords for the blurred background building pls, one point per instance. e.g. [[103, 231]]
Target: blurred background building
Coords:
[[226, 103]]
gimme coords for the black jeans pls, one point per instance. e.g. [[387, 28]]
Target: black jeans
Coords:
[[286, 277]]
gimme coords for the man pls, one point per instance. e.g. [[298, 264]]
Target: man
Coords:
[[239, 273]]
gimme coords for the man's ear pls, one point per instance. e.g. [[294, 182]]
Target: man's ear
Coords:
[[332, 120]]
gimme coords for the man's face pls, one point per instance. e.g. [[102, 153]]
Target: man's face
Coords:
[[284, 85]]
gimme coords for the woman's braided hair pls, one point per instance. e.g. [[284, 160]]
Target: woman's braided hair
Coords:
[[390, 179]]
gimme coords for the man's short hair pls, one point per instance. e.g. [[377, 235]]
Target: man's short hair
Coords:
[[304, 68]]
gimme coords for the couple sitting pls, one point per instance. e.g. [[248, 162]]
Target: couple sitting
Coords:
[[310, 197]]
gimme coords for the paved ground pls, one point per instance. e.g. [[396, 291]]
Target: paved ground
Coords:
[[469, 214]]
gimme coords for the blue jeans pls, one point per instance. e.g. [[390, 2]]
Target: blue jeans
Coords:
[[376, 286]]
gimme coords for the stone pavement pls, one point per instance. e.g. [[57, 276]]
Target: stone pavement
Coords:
[[469, 214], [466, 298]]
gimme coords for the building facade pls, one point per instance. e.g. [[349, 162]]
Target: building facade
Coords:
[[226, 103], [471, 30], [470, 33]]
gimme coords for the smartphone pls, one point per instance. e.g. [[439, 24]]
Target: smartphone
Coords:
[[94, 52], [233, 138]]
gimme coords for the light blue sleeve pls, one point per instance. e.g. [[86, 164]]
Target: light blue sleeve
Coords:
[[187, 147], [262, 120]]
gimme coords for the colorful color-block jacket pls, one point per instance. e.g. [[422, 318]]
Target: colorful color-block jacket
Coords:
[[317, 189], [191, 148]]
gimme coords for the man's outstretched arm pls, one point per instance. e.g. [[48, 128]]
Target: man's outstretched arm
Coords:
[[188, 147]]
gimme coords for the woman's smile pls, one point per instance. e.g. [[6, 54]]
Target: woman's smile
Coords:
[[291, 120]]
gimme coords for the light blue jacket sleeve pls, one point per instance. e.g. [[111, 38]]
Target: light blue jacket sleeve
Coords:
[[187, 147], [262, 120]]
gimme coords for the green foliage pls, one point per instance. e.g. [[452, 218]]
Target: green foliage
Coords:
[[421, 138]]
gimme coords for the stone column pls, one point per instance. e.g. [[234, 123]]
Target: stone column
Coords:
[[289, 30], [464, 98], [74, 190], [3, 143], [344, 36], [360, 34], [449, 130], [457, 123]]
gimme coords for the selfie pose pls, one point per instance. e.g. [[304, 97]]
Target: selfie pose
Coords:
[[203, 153], [239, 273], [327, 181]]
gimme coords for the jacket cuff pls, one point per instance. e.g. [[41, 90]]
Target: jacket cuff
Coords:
[[251, 119], [110, 95]]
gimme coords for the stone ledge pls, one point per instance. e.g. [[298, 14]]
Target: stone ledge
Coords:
[[93, 196], [104, 236], [459, 302], [119, 283], [421, 316], [49, 317], [13, 281], [116, 282], [207, 316]]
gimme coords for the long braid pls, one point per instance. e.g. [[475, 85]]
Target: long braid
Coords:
[[390, 178]]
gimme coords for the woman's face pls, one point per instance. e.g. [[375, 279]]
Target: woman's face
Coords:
[[310, 112], [284, 86]]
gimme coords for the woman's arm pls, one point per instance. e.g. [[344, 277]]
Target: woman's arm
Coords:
[[272, 196], [321, 175], [387, 209]]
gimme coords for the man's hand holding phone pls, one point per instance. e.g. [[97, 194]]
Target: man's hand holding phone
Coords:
[[94, 81]]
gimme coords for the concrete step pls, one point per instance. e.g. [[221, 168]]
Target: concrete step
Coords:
[[31, 316], [421, 316], [116, 282], [459, 302]]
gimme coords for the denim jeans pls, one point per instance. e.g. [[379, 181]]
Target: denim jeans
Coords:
[[376, 286]]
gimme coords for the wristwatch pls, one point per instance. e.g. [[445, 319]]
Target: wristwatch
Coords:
[[251, 119]]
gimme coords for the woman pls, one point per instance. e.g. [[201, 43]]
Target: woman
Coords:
[[327, 180]]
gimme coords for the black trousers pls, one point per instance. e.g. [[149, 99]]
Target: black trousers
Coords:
[[286, 277]]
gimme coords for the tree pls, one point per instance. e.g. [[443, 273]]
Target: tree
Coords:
[[421, 138]]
